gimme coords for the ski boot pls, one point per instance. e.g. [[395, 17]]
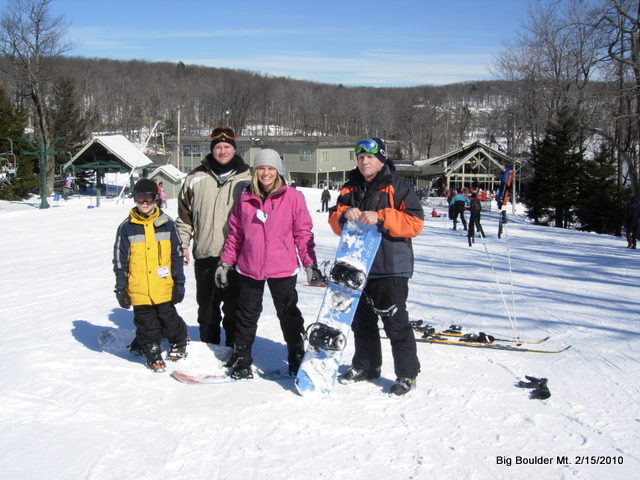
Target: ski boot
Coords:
[[324, 337], [240, 363], [357, 375], [403, 385], [154, 357], [134, 348]]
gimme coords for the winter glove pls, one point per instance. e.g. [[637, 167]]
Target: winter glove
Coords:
[[542, 392], [532, 383], [221, 275], [314, 275], [123, 298], [178, 293]]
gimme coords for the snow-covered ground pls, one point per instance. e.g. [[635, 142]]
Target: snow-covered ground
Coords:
[[76, 404]]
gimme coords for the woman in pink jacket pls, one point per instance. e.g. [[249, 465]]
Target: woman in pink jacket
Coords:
[[269, 228]]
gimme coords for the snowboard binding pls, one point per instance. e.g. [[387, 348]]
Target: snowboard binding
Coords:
[[347, 275], [324, 337]]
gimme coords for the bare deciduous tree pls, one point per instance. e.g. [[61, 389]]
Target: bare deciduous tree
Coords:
[[29, 37]]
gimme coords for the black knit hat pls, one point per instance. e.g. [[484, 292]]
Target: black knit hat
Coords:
[[145, 186], [223, 134], [382, 152]]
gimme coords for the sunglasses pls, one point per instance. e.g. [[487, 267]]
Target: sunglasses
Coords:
[[144, 197], [367, 145], [223, 135]]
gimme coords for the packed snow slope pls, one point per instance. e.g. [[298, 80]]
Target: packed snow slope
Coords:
[[77, 405]]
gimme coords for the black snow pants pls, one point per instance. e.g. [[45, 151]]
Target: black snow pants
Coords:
[[155, 322], [285, 300], [385, 297], [211, 300], [458, 209]]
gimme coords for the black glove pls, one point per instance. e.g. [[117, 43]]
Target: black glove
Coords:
[[314, 275], [178, 293], [542, 392], [222, 273], [123, 298], [532, 383]]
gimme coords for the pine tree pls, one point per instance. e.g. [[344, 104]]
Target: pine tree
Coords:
[[68, 122], [600, 204], [550, 193], [18, 184]]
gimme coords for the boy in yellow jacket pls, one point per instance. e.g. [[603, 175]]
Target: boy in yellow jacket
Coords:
[[148, 263]]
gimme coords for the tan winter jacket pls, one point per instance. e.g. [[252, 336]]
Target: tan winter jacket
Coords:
[[204, 205]]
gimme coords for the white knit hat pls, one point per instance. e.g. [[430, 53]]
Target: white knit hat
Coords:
[[269, 158]]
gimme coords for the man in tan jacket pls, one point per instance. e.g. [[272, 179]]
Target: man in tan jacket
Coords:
[[209, 193]]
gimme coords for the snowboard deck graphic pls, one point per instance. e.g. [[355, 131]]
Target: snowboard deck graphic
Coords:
[[357, 249], [201, 379]]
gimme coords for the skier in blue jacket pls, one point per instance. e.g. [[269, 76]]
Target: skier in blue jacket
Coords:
[[458, 203]]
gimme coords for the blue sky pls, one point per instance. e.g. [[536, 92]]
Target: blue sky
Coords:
[[374, 43]]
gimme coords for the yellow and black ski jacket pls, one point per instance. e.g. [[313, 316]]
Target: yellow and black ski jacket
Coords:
[[147, 258]]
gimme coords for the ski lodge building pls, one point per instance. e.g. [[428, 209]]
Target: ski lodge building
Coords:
[[472, 166], [319, 161]]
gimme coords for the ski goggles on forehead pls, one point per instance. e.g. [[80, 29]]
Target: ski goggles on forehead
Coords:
[[144, 197], [223, 135], [367, 145]]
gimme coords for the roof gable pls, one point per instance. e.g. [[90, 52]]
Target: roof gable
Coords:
[[110, 151]]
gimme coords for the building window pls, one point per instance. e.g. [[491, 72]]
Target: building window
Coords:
[[324, 157], [352, 156], [192, 150], [305, 155]]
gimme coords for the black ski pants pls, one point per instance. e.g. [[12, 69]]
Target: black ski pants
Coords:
[[285, 300], [385, 298], [211, 300], [458, 209], [155, 322], [474, 224]]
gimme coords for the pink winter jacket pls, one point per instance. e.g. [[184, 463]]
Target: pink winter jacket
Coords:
[[263, 237]]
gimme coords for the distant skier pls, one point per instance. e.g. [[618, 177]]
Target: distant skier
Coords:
[[325, 197], [474, 220], [376, 195], [148, 263], [632, 223], [458, 204]]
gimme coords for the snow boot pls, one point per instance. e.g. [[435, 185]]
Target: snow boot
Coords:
[[403, 385], [134, 348], [296, 352], [153, 355], [240, 363], [178, 351], [357, 375]]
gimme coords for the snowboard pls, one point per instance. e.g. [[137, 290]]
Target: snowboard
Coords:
[[327, 336], [201, 379]]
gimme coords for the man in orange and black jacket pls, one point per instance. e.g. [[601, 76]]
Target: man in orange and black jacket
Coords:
[[375, 194]]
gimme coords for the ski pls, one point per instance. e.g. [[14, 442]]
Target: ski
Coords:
[[493, 346], [456, 331]]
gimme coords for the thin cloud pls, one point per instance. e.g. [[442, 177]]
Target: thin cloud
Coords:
[[370, 69]]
